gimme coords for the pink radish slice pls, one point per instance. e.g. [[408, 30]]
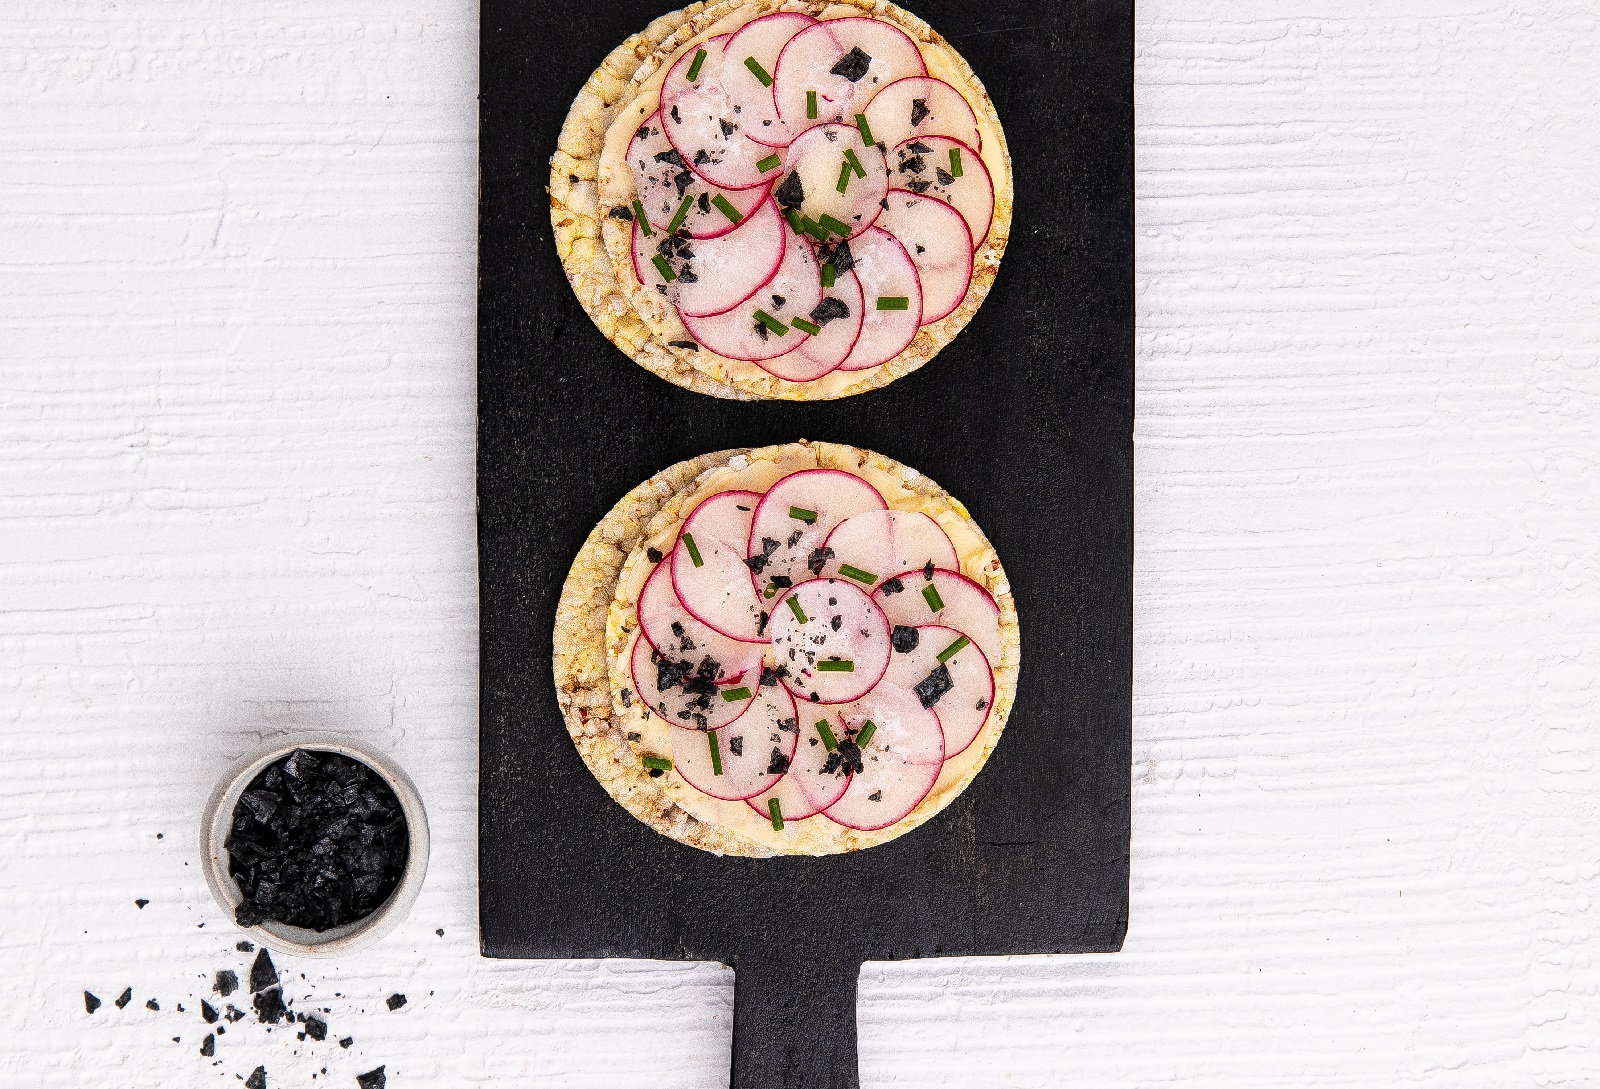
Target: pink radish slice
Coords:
[[939, 245], [762, 40], [922, 106], [886, 272], [794, 519], [964, 606], [716, 591], [961, 695], [713, 274], [704, 118], [830, 642], [884, 542], [899, 763], [672, 630], [817, 355], [673, 687], [813, 782], [922, 165], [661, 180], [794, 290], [753, 751], [815, 162], [808, 62]]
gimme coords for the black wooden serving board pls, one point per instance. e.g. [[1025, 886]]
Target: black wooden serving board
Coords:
[[1027, 418]]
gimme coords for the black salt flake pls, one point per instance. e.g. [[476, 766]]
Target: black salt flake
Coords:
[[124, 998], [919, 110], [395, 1001], [853, 65], [208, 1046], [372, 1079], [90, 1002]]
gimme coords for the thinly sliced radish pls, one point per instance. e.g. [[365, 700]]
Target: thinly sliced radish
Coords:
[[959, 688], [794, 520], [712, 580], [923, 165], [879, 543], [938, 243], [888, 279], [922, 106], [846, 62], [704, 117], [816, 778], [898, 765], [839, 315], [676, 688], [829, 640], [961, 604], [752, 752], [814, 166], [670, 629], [711, 275], [762, 40], [794, 291], [661, 180]]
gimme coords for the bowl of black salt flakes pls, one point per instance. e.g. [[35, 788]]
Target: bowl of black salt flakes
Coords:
[[316, 847]]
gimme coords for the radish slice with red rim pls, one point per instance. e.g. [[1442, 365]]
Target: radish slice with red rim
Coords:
[[678, 687], [937, 241], [949, 675], [711, 275], [704, 117], [845, 62], [815, 780], [830, 642], [762, 40], [891, 299], [816, 165], [740, 333], [708, 569], [897, 766], [838, 316], [793, 521], [924, 166], [752, 752], [954, 601], [922, 106], [868, 548], [661, 180], [670, 629]]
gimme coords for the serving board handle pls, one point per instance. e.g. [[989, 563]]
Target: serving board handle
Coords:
[[794, 1021]]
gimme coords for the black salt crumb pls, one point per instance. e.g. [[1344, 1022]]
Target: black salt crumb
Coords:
[[161, 835], [927, 571], [838, 622], [246, 947], [440, 932], [904, 639], [792, 193], [686, 345], [316, 1028], [726, 126], [208, 1012], [234, 1013], [124, 998], [90, 1002], [262, 973], [736, 745], [819, 556], [944, 176], [269, 1006], [621, 211], [875, 796], [396, 1001], [152, 1004], [893, 586], [853, 65], [208, 1046], [140, 904], [372, 1079], [346, 1042], [828, 309], [654, 555], [257, 1080], [934, 685], [919, 110]]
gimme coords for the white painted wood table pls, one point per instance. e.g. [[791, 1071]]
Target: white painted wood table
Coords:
[[236, 499]]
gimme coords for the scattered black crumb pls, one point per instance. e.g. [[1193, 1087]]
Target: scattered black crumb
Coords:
[[779, 762], [828, 309], [161, 835], [124, 998], [671, 157], [621, 211], [934, 685], [839, 256], [180, 1008], [269, 1006], [875, 796], [654, 555], [892, 586], [726, 126], [140, 903], [316, 1028], [982, 704], [920, 185], [904, 639], [656, 773], [396, 1001], [792, 192], [736, 745], [919, 148], [257, 1080], [234, 1013], [346, 1042], [208, 1012], [944, 176], [440, 932], [372, 1079], [152, 1004], [674, 113], [246, 947], [847, 757], [208, 1046], [701, 156], [919, 110], [90, 1002], [853, 65], [686, 345], [263, 974], [222, 1030], [177, 1039], [927, 571]]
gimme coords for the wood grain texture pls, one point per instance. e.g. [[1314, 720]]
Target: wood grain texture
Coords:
[[236, 359]]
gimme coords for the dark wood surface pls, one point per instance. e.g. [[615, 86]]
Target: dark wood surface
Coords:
[[1027, 418]]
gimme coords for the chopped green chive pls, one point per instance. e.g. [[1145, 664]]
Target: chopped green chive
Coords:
[[864, 577], [662, 267], [930, 594], [793, 216], [836, 665], [758, 71], [855, 163], [866, 130], [694, 65], [830, 275], [656, 763], [815, 230], [776, 809], [716, 752], [955, 162], [642, 219], [811, 105], [771, 322], [694, 553], [953, 649], [829, 742], [803, 515], [805, 326], [794, 607], [725, 208], [893, 302], [844, 177], [770, 593], [734, 695], [677, 217], [838, 227], [866, 734], [771, 162]]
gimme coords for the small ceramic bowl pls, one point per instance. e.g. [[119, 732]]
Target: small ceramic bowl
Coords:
[[297, 941]]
